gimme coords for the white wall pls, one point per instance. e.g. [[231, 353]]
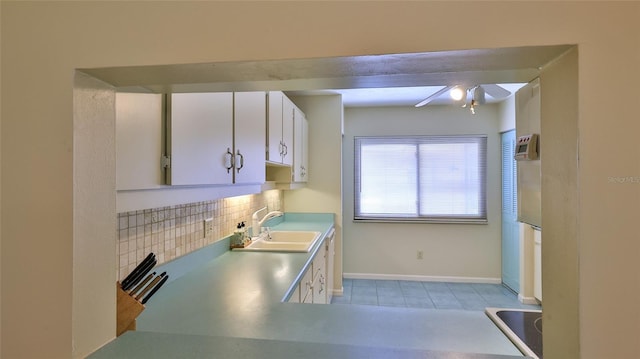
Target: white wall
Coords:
[[42, 43], [467, 252]]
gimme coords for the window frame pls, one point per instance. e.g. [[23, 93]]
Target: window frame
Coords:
[[480, 218]]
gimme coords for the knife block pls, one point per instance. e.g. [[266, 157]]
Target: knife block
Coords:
[[128, 309]]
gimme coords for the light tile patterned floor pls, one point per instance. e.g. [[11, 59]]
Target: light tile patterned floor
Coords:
[[432, 295]]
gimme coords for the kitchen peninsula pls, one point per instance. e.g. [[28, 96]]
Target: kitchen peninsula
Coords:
[[233, 304]]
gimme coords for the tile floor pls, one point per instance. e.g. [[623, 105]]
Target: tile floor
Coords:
[[431, 295]]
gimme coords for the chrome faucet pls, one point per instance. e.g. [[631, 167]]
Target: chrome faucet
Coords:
[[256, 226]]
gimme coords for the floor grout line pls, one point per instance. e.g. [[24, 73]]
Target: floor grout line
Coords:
[[433, 295]]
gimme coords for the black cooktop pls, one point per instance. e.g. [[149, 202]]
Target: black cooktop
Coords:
[[526, 325]]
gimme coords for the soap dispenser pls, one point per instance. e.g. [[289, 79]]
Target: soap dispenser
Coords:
[[238, 238], [243, 233]]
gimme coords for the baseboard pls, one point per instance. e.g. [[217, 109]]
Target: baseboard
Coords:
[[421, 278], [528, 300], [338, 292]]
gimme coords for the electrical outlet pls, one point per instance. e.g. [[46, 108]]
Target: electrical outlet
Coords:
[[420, 255], [208, 227]]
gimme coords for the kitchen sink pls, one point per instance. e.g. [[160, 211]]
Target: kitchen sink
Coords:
[[283, 241]]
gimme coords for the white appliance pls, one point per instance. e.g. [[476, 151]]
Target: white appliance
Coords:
[[528, 153]]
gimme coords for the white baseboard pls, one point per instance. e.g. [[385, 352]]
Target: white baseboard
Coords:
[[422, 278], [528, 300]]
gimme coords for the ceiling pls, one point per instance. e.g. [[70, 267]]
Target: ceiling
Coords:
[[388, 79], [396, 96]]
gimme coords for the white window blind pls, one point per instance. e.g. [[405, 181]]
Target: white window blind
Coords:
[[420, 178]]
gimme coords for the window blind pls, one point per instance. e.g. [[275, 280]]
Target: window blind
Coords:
[[420, 178]]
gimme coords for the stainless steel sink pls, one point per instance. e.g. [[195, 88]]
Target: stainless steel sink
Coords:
[[283, 241]]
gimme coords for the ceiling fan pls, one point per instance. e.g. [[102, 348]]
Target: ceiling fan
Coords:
[[469, 96]]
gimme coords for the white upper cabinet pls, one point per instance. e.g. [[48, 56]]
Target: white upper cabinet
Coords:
[[301, 147], [139, 121], [217, 138], [280, 124], [250, 136], [201, 138]]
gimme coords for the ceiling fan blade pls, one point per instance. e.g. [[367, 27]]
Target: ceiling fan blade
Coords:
[[433, 96], [496, 91]]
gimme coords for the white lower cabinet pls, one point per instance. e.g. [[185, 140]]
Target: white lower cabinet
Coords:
[[537, 265], [314, 287], [295, 297], [306, 287], [320, 277]]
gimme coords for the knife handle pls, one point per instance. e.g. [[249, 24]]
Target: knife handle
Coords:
[[151, 285], [146, 269], [134, 273], [155, 289], [139, 286]]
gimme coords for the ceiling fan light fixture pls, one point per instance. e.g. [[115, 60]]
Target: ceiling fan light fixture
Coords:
[[479, 95], [458, 93]]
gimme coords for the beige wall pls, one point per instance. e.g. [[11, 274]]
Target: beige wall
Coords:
[[507, 114], [324, 189], [94, 205], [0, 190], [451, 251], [561, 187], [43, 42]]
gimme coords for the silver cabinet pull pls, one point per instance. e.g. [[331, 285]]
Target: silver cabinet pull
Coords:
[[228, 160], [241, 161]]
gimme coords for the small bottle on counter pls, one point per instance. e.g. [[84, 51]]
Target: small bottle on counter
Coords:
[[238, 238], [243, 230]]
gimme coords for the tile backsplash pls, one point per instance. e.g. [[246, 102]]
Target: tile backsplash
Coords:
[[173, 231]]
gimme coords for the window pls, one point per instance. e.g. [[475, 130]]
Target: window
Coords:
[[421, 178]]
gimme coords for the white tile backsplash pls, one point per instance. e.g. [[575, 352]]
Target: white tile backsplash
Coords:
[[170, 232]]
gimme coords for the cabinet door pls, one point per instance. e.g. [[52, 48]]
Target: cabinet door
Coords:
[[320, 277], [306, 287], [295, 297], [201, 133], [304, 175], [139, 121], [300, 156], [250, 136], [287, 131], [274, 120]]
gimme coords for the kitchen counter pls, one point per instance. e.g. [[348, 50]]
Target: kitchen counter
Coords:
[[236, 301]]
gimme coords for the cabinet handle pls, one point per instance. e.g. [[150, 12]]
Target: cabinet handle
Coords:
[[286, 149], [241, 161], [228, 160]]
